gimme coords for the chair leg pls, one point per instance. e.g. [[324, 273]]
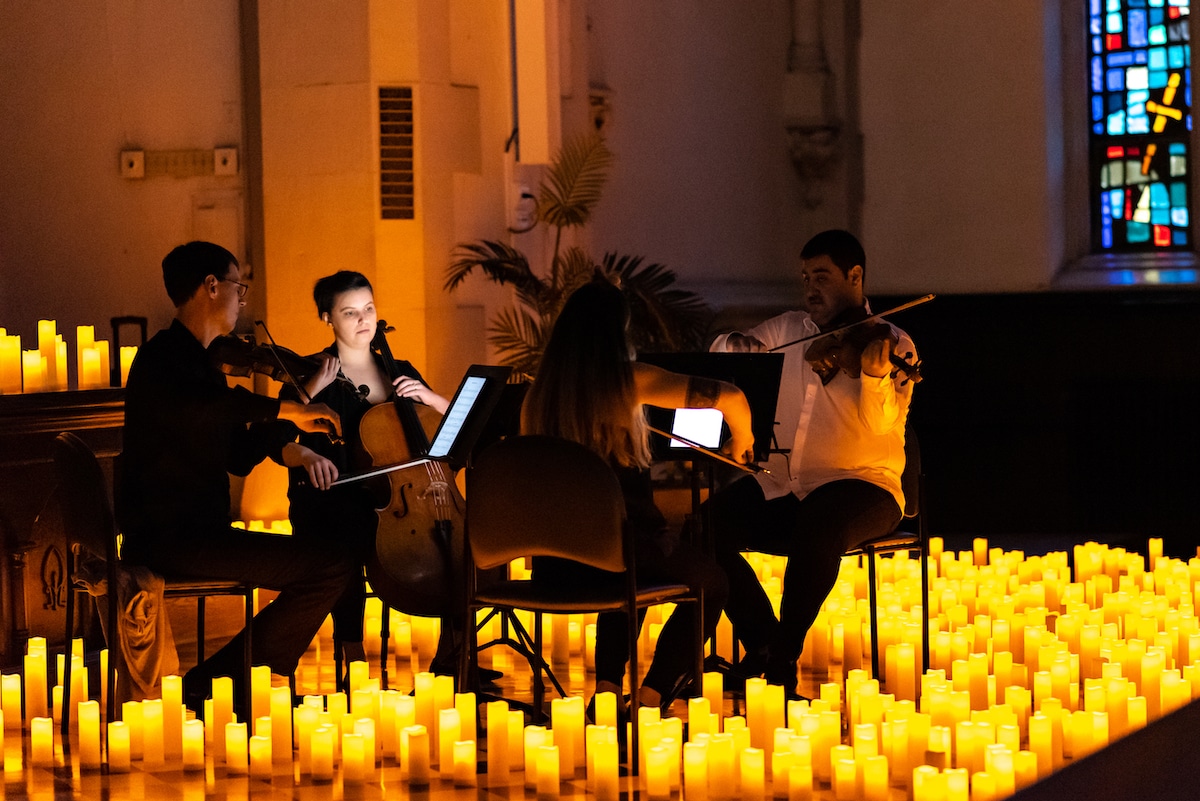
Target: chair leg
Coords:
[[539, 684], [871, 591], [65, 712], [339, 679], [385, 636], [634, 706], [199, 629], [247, 645]]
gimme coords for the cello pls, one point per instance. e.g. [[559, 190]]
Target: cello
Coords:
[[419, 539]]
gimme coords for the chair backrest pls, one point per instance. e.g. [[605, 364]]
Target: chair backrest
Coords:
[[910, 479], [83, 495], [544, 496]]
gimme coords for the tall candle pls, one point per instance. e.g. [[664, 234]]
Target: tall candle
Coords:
[[414, 745], [118, 747], [222, 698], [152, 734], [10, 364], [174, 715], [563, 722], [105, 368], [237, 749], [33, 371], [191, 745], [281, 724], [88, 713], [10, 700], [48, 349], [353, 759], [713, 690], [85, 340], [260, 691], [132, 714], [607, 770], [322, 753], [497, 743], [606, 708], [448, 733], [465, 704], [547, 772], [60, 363], [128, 352], [535, 738]]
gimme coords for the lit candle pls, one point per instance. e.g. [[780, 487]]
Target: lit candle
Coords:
[[10, 364], [464, 763], [845, 776], [88, 713], [191, 736], [497, 743], [281, 724], [33, 371], [60, 363], [800, 782], [714, 691], [448, 734], [607, 770], [305, 723], [85, 341], [105, 369], [414, 746], [260, 756], [564, 723], [132, 714], [535, 738], [752, 770], [722, 781], [547, 772], [353, 759], [128, 352], [875, 778], [260, 691], [658, 784], [237, 745], [606, 708], [174, 714], [118, 747], [321, 745], [41, 746], [516, 740], [48, 350], [10, 700], [152, 734]]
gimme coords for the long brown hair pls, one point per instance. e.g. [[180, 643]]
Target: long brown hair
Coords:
[[584, 389]]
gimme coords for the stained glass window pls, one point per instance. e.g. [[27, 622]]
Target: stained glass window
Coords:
[[1141, 117]]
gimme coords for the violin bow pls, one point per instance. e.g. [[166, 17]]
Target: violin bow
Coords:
[[841, 328], [292, 379], [720, 457]]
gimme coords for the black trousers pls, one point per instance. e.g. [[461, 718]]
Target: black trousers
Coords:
[[310, 579], [813, 533]]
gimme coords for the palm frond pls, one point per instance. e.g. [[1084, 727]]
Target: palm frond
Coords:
[[498, 261], [574, 182], [519, 338], [663, 318]]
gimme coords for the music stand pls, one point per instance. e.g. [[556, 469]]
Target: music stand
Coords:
[[755, 374]]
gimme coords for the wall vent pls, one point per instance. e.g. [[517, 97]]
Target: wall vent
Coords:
[[396, 152]]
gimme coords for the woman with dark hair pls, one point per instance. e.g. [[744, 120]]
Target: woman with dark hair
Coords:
[[346, 514], [590, 390]]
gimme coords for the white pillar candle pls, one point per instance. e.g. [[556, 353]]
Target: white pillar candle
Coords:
[[467, 710], [497, 743], [41, 745], [281, 724], [222, 713], [464, 763], [260, 757], [10, 700], [353, 759], [753, 774], [10, 364], [89, 735], [607, 770], [547, 772], [713, 686], [516, 740], [192, 744], [260, 691], [173, 716], [33, 371], [448, 731], [365, 727], [152, 734], [128, 353], [237, 749], [563, 722], [606, 709], [414, 745], [535, 738], [35, 685], [306, 723], [389, 735], [48, 350], [118, 747], [322, 753], [695, 770]]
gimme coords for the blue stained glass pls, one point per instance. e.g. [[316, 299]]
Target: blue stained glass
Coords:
[[1115, 199], [1177, 147], [1096, 27], [1176, 56], [1124, 59], [1098, 129], [1158, 79], [1140, 57], [1179, 194], [1179, 217], [1140, 96], [1139, 124], [1157, 35], [1115, 80], [1115, 103], [1158, 58], [1116, 123], [1158, 197], [1160, 217], [1180, 238], [1097, 107], [1097, 45], [1113, 23], [1137, 29], [1097, 75], [1156, 15], [1094, 7], [1112, 5], [1137, 232]]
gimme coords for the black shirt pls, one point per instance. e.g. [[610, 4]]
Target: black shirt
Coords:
[[186, 430]]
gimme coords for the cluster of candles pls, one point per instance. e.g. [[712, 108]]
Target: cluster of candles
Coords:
[[45, 368], [1032, 664]]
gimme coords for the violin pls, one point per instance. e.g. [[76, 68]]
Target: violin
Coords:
[[841, 350], [237, 356], [419, 538]]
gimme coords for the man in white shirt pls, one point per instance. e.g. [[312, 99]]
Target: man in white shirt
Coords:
[[839, 485]]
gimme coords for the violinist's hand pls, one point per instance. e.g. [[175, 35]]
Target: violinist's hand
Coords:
[[876, 358], [328, 370], [411, 388], [740, 447], [316, 418], [743, 343], [321, 472]]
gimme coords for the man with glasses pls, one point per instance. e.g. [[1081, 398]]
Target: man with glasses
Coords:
[[186, 430]]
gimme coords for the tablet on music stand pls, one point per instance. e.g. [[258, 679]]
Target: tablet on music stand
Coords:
[[468, 413]]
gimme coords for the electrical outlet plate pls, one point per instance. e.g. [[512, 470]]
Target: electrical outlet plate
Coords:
[[133, 164], [225, 161]]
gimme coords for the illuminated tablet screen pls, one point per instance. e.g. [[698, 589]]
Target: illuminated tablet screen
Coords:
[[456, 416], [702, 426]]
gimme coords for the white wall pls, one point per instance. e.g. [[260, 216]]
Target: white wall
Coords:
[[80, 80]]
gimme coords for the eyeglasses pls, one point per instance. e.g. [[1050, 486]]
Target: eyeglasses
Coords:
[[242, 289]]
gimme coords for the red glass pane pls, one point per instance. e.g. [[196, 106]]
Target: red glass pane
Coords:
[[1128, 203], [1116, 152], [1112, 41], [1133, 151], [1162, 235], [1173, 12]]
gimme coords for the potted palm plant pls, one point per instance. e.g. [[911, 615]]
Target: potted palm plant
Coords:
[[664, 317]]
